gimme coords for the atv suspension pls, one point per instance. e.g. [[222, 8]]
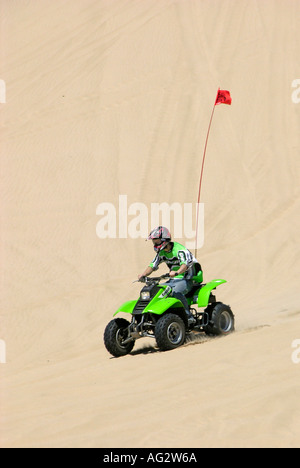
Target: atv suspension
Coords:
[[139, 329]]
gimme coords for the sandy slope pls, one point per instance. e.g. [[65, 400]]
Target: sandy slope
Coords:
[[114, 97]]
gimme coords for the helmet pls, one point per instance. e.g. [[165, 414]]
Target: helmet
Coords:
[[161, 233]]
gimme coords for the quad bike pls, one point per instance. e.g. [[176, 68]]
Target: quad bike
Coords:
[[158, 315]]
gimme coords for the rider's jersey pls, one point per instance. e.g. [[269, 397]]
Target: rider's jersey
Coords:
[[178, 256]]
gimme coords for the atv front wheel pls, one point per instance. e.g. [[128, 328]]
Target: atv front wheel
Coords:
[[169, 332], [114, 336], [221, 320]]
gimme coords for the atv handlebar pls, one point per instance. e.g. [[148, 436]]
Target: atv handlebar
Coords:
[[153, 279]]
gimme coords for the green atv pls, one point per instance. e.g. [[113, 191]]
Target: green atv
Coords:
[[158, 315]]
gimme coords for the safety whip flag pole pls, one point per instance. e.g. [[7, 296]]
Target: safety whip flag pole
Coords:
[[223, 97]]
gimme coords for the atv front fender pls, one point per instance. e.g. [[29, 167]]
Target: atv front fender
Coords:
[[204, 293], [127, 307], [160, 306]]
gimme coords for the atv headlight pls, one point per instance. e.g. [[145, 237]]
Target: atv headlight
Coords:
[[145, 295]]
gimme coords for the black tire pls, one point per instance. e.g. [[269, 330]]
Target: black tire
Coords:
[[113, 334], [170, 332], [221, 320]]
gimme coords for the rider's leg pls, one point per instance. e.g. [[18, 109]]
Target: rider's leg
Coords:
[[180, 287]]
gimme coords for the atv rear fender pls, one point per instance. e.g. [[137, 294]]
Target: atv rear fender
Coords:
[[205, 291]]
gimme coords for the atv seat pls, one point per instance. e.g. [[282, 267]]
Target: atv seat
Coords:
[[198, 278], [194, 290]]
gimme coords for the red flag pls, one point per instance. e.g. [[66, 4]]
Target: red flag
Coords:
[[223, 97]]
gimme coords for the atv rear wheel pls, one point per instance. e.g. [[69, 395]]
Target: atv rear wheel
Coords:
[[169, 332], [114, 335], [221, 320]]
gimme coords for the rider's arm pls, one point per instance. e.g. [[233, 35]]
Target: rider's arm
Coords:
[[147, 272], [152, 267], [180, 271]]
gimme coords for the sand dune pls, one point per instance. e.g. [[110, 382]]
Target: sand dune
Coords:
[[105, 98]]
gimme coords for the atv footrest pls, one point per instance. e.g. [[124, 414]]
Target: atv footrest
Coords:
[[203, 319]]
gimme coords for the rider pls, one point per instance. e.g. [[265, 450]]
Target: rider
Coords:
[[180, 261]]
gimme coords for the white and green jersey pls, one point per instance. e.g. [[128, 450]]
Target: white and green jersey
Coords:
[[179, 255]]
